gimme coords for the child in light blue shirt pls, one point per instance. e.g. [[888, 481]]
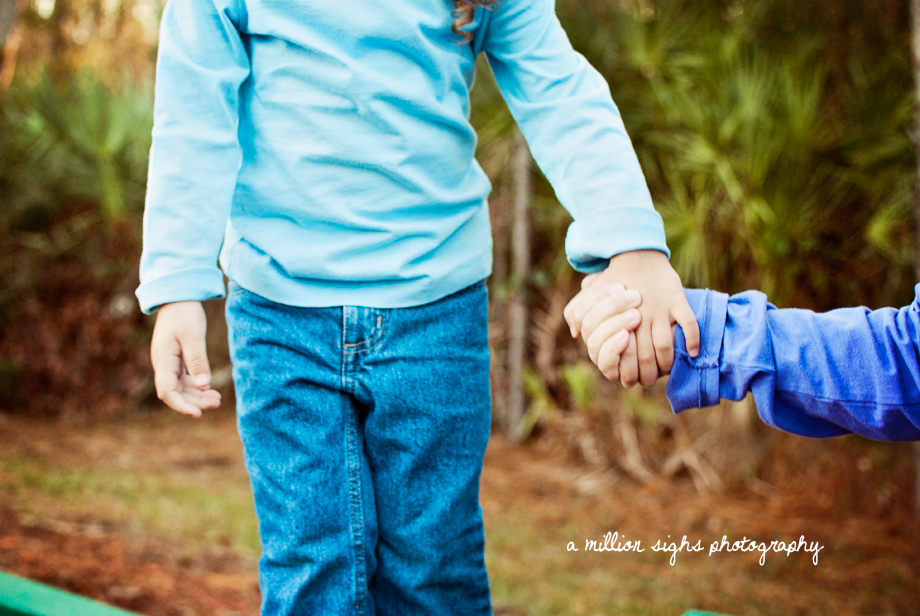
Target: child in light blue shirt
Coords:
[[324, 151]]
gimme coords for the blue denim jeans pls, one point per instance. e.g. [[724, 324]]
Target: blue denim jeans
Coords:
[[364, 431]]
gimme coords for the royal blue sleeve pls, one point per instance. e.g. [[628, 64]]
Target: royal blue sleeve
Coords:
[[575, 133], [850, 370], [195, 156]]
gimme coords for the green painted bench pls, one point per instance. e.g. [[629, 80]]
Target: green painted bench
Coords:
[[22, 597]]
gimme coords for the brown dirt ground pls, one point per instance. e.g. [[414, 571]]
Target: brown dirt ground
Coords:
[[815, 488]]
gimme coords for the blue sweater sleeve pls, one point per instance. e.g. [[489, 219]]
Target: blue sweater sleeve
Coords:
[[816, 374], [195, 156], [574, 130]]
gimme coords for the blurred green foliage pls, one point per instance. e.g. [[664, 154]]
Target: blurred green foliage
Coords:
[[73, 141], [775, 136], [581, 380], [541, 402], [73, 152]]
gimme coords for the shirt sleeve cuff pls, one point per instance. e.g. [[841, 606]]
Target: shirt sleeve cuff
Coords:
[[594, 238], [694, 382], [190, 284]]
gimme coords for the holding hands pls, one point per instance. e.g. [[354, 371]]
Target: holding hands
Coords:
[[626, 314]]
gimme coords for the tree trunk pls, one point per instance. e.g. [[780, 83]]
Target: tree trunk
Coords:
[[915, 29], [10, 37], [8, 13], [520, 272], [498, 310]]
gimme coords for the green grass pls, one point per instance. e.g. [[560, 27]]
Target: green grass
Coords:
[[529, 567], [195, 509], [531, 570], [175, 509]]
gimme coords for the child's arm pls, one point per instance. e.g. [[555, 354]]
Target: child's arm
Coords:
[[194, 161], [576, 134], [195, 155], [814, 374]]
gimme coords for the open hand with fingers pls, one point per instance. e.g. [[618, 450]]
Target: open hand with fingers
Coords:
[[180, 360], [626, 315]]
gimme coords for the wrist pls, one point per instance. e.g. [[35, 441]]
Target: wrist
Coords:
[[636, 255]]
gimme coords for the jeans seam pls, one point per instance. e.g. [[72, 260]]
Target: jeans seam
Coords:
[[357, 513], [379, 333], [353, 465]]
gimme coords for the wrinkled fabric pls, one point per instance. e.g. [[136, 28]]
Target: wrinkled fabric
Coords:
[[364, 431], [324, 149], [850, 370]]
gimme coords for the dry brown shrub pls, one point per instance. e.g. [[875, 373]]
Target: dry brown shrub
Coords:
[[73, 341]]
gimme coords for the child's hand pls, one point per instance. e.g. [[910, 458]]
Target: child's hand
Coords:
[[180, 359], [606, 327], [651, 349]]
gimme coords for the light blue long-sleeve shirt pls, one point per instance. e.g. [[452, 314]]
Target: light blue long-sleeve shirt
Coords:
[[850, 370], [326, 147]]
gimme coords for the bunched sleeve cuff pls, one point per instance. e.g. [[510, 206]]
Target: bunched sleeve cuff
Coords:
[[190, 284], [694, 382], [595, 237]]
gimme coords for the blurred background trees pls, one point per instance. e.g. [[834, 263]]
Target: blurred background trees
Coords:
[[776, 137]]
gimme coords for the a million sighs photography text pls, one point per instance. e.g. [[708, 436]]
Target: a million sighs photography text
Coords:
[[613, 542]]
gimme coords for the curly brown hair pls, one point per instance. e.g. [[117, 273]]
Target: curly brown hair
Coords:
[[463, 15]]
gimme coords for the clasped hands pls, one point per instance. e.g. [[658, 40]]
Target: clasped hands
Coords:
[[626, 316]]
